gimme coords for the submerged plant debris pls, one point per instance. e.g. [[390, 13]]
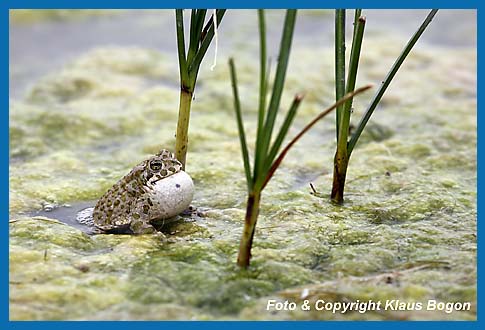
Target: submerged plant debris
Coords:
[[407, 230]]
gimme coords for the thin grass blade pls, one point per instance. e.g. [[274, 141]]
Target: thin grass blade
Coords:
[[207, 26], [283, 130], [192, 36], [179, 17], [357, 14], [240, 125], [279, 81], [193, 19], [359, 26], [263, 85], [201, 13], [207, 38], [380, 92], [196, 23]]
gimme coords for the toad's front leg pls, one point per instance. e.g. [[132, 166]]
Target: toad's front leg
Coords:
[[141, 217]]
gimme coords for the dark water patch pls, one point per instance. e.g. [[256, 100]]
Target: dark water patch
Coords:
[[67, 215]]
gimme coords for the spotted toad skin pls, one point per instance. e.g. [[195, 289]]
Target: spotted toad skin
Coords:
[[127, 206]]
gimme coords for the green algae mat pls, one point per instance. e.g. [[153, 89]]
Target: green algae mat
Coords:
[[405, 238]]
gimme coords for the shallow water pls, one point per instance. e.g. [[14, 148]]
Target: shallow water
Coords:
[[67, 214], [91, 102]]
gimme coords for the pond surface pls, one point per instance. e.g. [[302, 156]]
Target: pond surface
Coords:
[[94, 93]]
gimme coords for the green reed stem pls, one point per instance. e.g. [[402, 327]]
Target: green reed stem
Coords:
[[200, 38], [339, 63], [392, 72], [266, 119], [351, 79], [341, 159]]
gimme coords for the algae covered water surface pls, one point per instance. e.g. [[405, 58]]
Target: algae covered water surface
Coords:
[[89, 104]]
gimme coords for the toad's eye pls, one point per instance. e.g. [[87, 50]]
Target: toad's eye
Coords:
[[155, 165]]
